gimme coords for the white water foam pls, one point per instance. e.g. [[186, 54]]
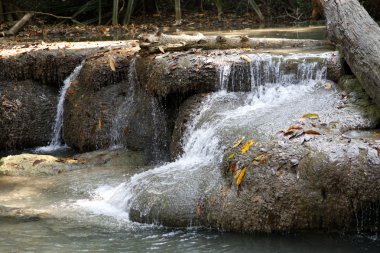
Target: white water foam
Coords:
[[220, 116], [55, 143]]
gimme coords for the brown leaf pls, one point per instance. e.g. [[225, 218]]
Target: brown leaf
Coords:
[[288, 133], [295, 127], [312, 132], [233, 167], [70, 92]]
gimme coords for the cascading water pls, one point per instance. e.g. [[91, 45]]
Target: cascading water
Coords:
[[124, 110], [274, 97], [55, 142]]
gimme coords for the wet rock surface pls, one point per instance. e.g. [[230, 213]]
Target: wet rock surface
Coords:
[[322, 180], [111, 114], [308, 174]]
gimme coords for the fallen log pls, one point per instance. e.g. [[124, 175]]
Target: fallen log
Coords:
[[154, 43], [17, 27], [357, 35]]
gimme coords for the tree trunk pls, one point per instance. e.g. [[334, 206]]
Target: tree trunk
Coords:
[[357, 35], [178, 18]]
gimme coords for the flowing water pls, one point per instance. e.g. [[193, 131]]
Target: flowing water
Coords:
[[88, 210], [56, 140]]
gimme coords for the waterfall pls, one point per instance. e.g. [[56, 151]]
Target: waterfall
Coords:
[[223, 116], [124, 110], [55, 142]]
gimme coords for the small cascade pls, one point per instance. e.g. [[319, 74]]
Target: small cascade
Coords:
[[56, 141], [124, 110], [222, 117], [266, 69]]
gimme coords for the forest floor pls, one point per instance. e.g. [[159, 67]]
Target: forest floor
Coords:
[[38, 30]]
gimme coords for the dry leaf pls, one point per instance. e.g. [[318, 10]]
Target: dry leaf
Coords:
[[237, 143], [237, 174], [261, 159], [161, 49], [246, 146], [288, 133], [312, 132], [100, 124], [241, 176], [70, 92], [233, 167], [295, 127], [226, 188], [246, 58], [74, 83], [112, 64]]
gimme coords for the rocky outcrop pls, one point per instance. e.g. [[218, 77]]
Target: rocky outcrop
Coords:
[[28, 165], [311, 182], [319, 173], [27, 111], [107, 108], [46, 67]]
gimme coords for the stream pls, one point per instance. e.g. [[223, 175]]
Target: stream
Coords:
[[87, 210], [53, 220]]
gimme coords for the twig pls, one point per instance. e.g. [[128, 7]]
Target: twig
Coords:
[[16, 28], [45, 14]]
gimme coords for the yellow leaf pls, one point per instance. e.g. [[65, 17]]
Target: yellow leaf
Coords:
[[100, 124], [237, 143], [246, 58], [310, 116], [112, 64], [161, 49], [231, 156], [241, 176], [246, 146], [327, 86]]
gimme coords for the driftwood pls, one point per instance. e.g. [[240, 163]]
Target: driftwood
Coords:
[[163, 42], [357, 35], [17, 27]]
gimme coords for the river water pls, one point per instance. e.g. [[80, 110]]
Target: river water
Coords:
[[52, 219]]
